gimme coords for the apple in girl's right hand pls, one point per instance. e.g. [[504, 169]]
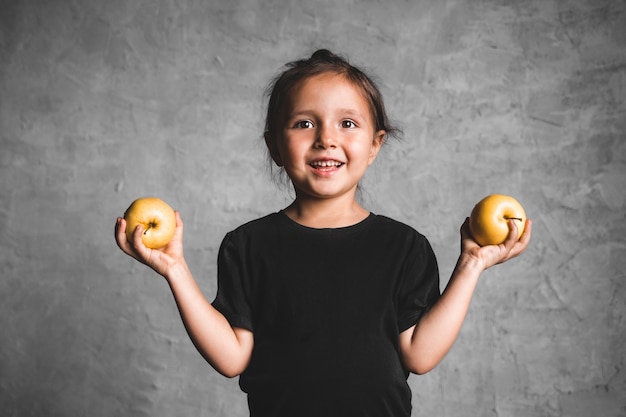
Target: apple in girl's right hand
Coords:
[[157, 219], [489, 219]]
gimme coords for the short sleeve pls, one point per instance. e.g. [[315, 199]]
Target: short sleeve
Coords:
[[419, 288], [231, 299]]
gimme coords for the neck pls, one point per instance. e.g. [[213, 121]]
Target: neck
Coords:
[[326, 213]]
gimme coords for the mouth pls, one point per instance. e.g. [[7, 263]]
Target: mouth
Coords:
[[326, 164]]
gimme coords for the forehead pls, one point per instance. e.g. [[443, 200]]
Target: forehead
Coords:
[[328, 84], [332, 87]]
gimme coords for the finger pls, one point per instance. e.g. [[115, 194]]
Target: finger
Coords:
[[511, 238], [121, 237], [116, 233], [179, 219], [525, 237], [137, 240], [528, 228], [466, 234], [521, 244], [120, 234], [126, 245], [524, 240], [179, 225]]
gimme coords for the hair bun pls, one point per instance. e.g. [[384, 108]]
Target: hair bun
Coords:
[[323, 55]]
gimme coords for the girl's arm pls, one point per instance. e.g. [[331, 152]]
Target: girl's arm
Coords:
[[227, 349], [424, 345]]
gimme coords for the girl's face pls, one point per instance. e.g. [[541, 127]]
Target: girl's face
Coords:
[[327, 139]]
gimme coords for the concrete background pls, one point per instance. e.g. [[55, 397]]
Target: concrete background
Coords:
[[102, 102]]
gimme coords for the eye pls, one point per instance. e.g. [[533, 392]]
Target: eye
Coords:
[[303, 124], [348, 124]]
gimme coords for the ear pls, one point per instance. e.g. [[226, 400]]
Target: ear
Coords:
[[270, 142], [377, 143]]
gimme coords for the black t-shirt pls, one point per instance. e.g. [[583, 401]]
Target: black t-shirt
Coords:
[[326, 307]]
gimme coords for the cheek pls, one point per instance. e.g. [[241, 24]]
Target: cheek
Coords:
[[291, 152]]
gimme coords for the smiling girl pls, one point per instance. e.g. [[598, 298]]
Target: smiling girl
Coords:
[[325, 308]]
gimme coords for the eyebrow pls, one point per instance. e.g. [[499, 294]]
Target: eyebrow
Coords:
[[310, 112]]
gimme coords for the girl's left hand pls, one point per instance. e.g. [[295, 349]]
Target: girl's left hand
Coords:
[[495, 254]]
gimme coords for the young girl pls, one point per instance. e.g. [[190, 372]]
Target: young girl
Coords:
[[324, 308]]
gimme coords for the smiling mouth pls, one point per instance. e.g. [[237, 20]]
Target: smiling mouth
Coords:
[[326, 164]]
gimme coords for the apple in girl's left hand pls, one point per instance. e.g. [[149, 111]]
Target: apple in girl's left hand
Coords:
[[489, 219], [157, 219]]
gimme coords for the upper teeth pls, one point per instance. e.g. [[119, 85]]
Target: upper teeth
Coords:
[[326, 163]]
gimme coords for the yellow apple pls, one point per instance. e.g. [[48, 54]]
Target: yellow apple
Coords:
[[489, 219], [156, 217]]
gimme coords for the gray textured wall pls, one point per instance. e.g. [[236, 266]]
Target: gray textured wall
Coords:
[[105, 101]]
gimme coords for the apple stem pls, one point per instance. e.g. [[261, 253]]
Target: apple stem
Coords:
[[513, 218], [150, 225]]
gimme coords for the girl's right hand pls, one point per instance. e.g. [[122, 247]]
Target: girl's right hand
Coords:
[[491, 255], [162, 260]]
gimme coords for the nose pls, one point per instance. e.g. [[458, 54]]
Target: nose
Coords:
[[325, 138]]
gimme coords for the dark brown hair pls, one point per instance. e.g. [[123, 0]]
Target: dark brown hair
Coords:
[[323, 61]]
